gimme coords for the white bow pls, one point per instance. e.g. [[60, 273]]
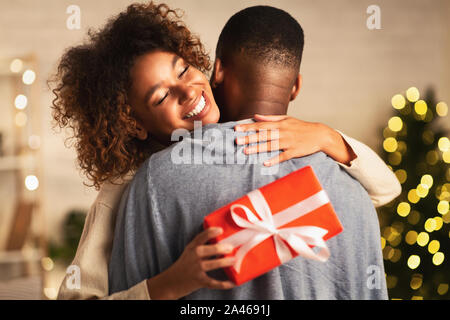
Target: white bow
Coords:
[[256, 231]]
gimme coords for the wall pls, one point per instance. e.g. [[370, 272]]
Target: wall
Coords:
[[350, 73]]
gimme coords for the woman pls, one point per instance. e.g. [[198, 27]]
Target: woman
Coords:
[[123, 93]]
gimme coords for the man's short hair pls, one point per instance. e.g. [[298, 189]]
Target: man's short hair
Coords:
[[264, 33]]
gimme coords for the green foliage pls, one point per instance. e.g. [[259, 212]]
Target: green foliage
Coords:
[[72, 229], [417, 154]]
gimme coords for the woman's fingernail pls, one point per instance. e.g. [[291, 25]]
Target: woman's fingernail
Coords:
[[228, 248], [267, 163], [239, 140], [237, 128]]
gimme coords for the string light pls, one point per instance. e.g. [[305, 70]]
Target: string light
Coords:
[[398, 101], [31, 182], [444, 144], [443, 207], [446, 156], [28, 77], [416, 281], [403, 209], [434, 246], [420, 107], [413, 261], [422, 190], [390, 144], [16, 65], [438, 258], [442, 289], [432, 157], [430, 225], [401, 175], [439, 222], [412, 196], [21, 119], [34, 142], [422, 239], [411, 237], [47, 263], [414, 217], [427, 180], [442, 109], [395, 124], [21, 102], [412, 94]]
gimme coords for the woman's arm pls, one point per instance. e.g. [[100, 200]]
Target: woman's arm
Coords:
[[186, 275], [299, 138]]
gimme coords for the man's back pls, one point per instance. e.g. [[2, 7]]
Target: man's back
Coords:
[[165, 205]]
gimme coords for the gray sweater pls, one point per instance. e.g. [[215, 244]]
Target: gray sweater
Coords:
[[163, 209]]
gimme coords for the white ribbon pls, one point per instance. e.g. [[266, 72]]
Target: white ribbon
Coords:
[[256, 231]]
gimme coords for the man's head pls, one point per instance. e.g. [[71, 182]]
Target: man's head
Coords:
[[257, 65]]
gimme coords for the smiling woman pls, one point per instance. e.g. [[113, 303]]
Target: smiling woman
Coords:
[[167, 94], [112, 109]]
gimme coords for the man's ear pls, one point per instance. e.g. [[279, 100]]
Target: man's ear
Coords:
[[141, 133], [218, 73], [296, 87]]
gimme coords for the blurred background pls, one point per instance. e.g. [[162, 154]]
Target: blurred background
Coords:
[[380, 76]]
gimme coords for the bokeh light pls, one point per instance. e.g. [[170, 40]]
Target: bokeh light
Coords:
[[428, 137], [31, 182], [442, 289], [412, 196], [395, 124], [420, 107], [438, 258], [422, 239], [430, 225], [21, 119], [398, 101], [413, 261], [413, 94], [390, 144], [401, 175], [432, 157], [34, 142], [21, 102], [16, 66], [443, 207], [442, 109], [444, 144], [403, 209], [28, 77], [427, 180], [433, 246], [411, 237]]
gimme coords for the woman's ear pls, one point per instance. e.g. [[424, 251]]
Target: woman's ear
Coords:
[[141, 133], [296, 87], [218, 73]]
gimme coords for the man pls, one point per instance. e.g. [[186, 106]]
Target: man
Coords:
[[258, 59]]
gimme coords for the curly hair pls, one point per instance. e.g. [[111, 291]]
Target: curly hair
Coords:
[[93, 79]]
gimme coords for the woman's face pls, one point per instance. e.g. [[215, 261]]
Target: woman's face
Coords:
[[167, 94]]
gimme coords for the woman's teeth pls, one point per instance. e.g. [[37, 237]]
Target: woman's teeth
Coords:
[[199, 108]]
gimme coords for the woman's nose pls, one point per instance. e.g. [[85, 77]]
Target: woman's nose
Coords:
[[187, 94]]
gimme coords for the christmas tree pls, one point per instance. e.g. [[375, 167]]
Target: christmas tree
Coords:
[[415, 226]]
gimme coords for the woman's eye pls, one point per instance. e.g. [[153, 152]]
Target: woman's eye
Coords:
[[184, 71], [162, 99]]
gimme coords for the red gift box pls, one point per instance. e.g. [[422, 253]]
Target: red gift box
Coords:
[[275, 223]]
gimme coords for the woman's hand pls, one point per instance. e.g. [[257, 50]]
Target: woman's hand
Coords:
[[296, 138], [188, 273]]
